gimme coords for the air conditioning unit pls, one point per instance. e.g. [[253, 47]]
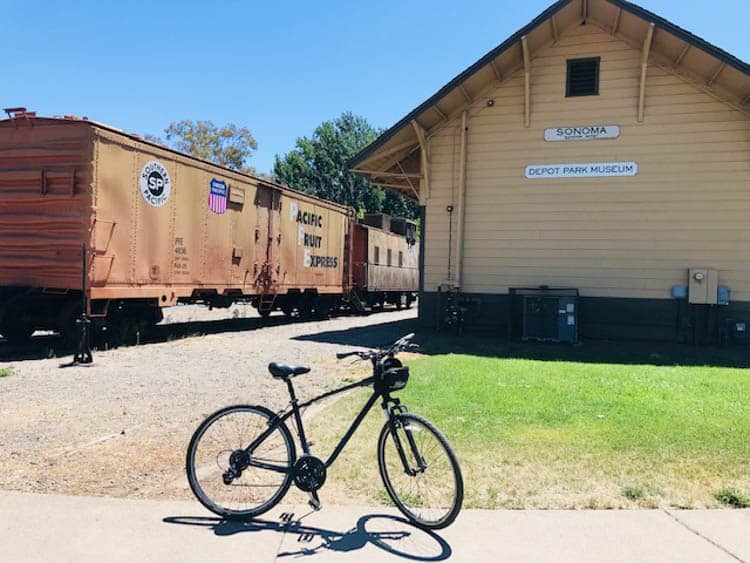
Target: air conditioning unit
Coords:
[[549, 315]]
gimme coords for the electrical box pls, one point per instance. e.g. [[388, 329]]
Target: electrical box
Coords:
[[551, 318], [703, 286]]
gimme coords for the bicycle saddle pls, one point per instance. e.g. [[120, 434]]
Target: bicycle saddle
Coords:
[[284, 371]]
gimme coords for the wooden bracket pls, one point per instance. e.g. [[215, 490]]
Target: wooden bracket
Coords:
[[555, 32], [682, 54], [644, 68], [527, 82], [616, 25], [424, 191], [468, 98], [715, 75], [496, 70]]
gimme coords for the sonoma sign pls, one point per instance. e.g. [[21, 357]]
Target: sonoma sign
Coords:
[[585, 133]]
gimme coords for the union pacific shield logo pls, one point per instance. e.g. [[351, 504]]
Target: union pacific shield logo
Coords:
[[217, 196]]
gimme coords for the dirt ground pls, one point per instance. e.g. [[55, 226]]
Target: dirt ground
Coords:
[[120, 427]]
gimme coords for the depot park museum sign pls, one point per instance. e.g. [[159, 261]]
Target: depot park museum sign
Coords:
[[581, 169]]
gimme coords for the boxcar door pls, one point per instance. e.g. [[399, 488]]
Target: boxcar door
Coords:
[[266, 266]]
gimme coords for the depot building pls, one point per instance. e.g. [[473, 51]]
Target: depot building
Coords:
[[587, 178]]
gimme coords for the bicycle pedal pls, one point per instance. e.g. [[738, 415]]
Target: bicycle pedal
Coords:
[[314, 504]]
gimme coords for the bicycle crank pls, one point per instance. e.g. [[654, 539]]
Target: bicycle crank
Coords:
[[309, 473]]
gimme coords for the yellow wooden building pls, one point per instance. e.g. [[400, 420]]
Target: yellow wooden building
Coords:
[[602, 151]]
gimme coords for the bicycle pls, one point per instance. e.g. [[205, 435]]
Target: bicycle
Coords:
[[248, 471]]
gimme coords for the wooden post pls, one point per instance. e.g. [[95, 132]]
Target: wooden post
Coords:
[[461, 199], [527, 82], [644, 69]]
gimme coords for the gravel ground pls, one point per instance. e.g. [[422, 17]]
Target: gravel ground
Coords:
[[120, 427]]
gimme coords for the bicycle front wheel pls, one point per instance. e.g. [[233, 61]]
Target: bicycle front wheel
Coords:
[[216, 447], [420, 471]]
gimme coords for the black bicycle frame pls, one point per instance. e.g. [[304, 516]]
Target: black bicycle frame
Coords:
[[295, 411]]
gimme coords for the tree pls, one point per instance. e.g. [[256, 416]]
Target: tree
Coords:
[[228, 146], [318, 166]]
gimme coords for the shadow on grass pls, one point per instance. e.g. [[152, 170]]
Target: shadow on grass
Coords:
[[498, 346], [392, 534]]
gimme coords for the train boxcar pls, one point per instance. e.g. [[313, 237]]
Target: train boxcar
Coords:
[[159, 228], [385, 264]]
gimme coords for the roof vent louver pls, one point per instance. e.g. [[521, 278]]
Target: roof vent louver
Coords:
[[583, 77]]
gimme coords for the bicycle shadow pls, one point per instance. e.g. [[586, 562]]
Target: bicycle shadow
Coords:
[[392, 534]]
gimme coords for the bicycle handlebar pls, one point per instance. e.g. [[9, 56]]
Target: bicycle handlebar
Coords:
[[402, 344]]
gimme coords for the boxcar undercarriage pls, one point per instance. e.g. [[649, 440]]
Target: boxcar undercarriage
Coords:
[[24, 310]]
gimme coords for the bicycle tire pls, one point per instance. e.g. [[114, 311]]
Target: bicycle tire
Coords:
[[191, 468], [403, 421]]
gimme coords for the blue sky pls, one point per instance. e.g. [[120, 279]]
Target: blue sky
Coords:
[[279, 68]]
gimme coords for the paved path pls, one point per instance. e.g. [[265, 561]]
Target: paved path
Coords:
[[64, 528]]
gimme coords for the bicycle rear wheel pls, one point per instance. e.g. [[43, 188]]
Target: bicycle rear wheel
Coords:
[[426, 483], [225, 434]]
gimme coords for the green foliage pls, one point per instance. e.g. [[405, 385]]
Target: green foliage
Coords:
[[633, 492], [318, 166], [734, 498], [228, 146], [6, 372]]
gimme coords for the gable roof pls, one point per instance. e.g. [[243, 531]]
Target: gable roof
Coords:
[[736, 89]]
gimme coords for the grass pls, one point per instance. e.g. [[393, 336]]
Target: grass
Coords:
[[6, 372], [733, 498], [562, 434]]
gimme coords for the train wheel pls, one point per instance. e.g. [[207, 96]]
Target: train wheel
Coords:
[[128, 326], [15, 326], [17, 331], [289, 311]]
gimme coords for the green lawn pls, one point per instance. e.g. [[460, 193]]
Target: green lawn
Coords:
[[557, 434]]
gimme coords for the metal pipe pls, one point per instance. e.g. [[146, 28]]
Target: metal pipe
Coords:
[[461, 197]]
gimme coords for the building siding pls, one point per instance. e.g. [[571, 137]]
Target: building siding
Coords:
[[632, 237]]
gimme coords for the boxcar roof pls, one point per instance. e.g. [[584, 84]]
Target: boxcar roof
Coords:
[[134, 137]]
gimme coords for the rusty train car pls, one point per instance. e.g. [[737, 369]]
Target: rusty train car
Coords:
[[159, 228]]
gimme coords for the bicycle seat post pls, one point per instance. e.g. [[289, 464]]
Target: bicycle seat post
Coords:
[[298, 418]]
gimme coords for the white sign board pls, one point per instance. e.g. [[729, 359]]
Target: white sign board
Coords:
[[583, 170], [585, 133]]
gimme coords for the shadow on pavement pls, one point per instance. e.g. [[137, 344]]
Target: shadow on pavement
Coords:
[[392, 534]]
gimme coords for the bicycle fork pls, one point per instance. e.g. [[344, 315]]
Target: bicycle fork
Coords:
[[421, 464]]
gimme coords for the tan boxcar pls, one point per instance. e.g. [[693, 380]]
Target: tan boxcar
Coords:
[[160, 227]]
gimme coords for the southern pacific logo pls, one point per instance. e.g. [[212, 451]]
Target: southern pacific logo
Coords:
[[308, 221]]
